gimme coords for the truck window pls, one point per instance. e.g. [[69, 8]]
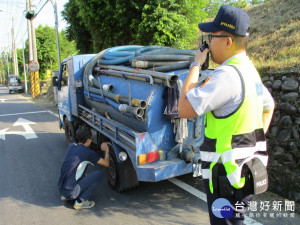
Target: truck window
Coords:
[[14, 80], [64, 76]]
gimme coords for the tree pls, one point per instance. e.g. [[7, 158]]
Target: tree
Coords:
[[120, 22], [47, 50], [213, 6], [77, 30], [171, 23], [20, 63]]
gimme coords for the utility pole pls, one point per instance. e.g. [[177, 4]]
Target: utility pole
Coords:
[[56, 31], [57, 44], [15, 60], [29, 33], [34, 50], [33, 64], [25, 75]]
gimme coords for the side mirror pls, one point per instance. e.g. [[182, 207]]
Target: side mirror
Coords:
[[55, 81]]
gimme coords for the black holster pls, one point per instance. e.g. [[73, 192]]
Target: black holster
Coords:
[[259, 174], [256, 180]]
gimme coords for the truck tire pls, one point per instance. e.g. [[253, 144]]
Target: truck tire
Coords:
[[69, 131], [121, 175]]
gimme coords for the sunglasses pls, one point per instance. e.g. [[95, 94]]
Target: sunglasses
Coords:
[[210, 36]]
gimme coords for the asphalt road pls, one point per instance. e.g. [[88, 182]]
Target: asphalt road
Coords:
[[32, 149]]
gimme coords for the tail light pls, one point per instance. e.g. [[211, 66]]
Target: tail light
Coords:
[[150, 157]]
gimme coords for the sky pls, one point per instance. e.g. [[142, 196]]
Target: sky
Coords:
[[16, 9]]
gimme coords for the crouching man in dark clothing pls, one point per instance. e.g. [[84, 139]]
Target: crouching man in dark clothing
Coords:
[[73, 184]]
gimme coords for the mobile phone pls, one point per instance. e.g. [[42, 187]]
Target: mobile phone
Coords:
[[203, 46]]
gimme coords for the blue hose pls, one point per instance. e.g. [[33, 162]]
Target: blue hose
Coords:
[[119, 55], [163, 57], [147, 48], [117, 61], [172, 67], [172, 51]]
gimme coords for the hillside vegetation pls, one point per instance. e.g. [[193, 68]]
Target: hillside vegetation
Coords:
[[275, 36]]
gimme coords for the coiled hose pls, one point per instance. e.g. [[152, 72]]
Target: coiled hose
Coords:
[[155, 58]]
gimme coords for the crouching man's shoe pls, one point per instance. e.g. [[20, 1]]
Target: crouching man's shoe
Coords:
[[84, 204]]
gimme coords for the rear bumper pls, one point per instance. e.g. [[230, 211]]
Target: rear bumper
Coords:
[[15, 88], [163, 170]]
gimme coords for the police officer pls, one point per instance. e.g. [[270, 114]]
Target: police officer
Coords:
[[238, 109]]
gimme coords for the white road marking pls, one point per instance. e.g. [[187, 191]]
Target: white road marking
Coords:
[[202, 196], [2, 133], [188, 188], [24, 113], [27, 134], [54, 114], [2, 100]]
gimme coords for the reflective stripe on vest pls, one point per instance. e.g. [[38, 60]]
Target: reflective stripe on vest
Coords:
[[239, 136]]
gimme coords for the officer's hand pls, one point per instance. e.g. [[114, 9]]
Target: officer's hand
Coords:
[[200, 57]]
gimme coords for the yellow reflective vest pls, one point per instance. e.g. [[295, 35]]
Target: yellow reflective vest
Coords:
[[237, 138]]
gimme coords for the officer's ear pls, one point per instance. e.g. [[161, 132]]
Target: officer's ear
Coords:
[[229, 42]]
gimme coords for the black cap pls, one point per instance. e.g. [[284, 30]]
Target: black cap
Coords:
[[229, 18]]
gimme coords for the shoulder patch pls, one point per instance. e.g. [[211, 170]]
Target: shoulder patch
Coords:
[[208, 79]]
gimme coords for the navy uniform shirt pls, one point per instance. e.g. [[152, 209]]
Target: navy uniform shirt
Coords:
[[77, 159]]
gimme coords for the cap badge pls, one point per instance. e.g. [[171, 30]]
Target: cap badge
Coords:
[[227, 25]]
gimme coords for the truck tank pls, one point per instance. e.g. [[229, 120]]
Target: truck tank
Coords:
[[128, 84]]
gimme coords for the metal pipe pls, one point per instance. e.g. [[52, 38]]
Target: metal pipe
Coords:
[[106, 87], [149, 64], [132, 76], [169, 78], [120, 99]]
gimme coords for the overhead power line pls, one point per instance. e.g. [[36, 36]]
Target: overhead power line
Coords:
[[41, 8]]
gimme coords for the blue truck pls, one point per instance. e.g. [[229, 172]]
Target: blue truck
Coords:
[[127, 96]]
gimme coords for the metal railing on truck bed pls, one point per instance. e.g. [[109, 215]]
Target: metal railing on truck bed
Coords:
[[116, 132]]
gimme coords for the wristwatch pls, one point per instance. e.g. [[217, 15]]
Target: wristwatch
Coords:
[[195, 64]]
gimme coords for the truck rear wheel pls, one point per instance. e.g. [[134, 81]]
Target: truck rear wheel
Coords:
[[69, 131], [121, 175]]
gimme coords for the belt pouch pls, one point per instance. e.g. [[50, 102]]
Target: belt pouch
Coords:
[[224, 187]]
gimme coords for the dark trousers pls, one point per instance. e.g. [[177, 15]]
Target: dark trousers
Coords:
[[238, 216], [84, 187], [88, 184]]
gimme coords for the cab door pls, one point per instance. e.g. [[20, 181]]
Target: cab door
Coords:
[[63, 98]]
